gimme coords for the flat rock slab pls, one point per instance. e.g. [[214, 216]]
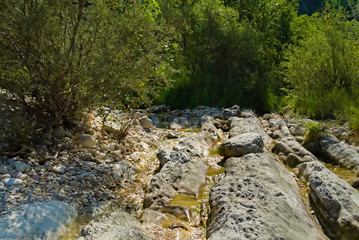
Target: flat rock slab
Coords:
[[339, 152], [334, 200], [248, 125], [259, 199], [242, 144], [119, 225], [37, 221]]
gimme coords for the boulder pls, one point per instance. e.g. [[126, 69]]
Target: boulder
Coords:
[[180, 123], [292, 160], [234, 111], [297, 130], [193, 177], [60, 132], [165, 156], [335, 202], [339, 152], [242, 144], [12, 181], [119, 225], [291, 146], [196, 145], [46, 220], [158, 109], [146, 123], [259, 199]]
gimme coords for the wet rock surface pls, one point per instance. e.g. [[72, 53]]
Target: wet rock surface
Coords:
[[335, 201], [259, 199]]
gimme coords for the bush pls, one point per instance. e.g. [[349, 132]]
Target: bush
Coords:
[[315, 131]]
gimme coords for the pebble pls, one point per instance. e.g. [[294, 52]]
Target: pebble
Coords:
[[12, 181], [5, 176], [3, 169], [59, 168]]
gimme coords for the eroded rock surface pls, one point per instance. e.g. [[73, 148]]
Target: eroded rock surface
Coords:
[[259, 199], [335, 201], [242, 144]]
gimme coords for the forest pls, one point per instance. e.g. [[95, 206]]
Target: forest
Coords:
[[59, 59]]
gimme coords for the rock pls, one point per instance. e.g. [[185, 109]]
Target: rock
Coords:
[[46, 220], [59, 168], [12, 181], [335, 202], [248, 125], [179, 123], [180, 212], [60, 132], [3, 169], [5, 176], [291, 146], [155, 120], [196, 145], [267, 116], [339, 152], [259, 199], [119, 225], [193, 177], [87, 141], [297, 130], [355, 183], [234, 111], [166, 156], [150, 216], [146, 123], [158, 109], [242, 144], [205, 119], [292, 160]]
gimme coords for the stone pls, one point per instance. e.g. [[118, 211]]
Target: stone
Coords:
[[335, 202], [339, 152], [259, 199], [60, 132], [12, 181], [242, 144], [194, 175], [355, 183], [297, 130], [46, 220], [166, 156], [146, 123], [292, 160], [155, 120], [205, 119], [234, 111], [59, 168], [158, 109], [267, 116], [179, 123], [3, 169], [5, 176], [118, 225], [291, 146], [196, 145], [87, 140], [150, 216]]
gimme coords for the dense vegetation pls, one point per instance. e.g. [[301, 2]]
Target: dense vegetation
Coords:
[[59, 58]]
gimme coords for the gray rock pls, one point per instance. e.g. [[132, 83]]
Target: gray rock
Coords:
[[119, 225], [87, 140], [242, 144], [234, 111], [3, 169], [5, 176], [59, 168], [196, 145], [291, 146], [60, 132], [335, 202], [193, 177], [248, 125], [150, 216], [259, 199], [205, 119], [267, 116], [37, 221], [166, 156], [146, 122], [155, 120], [339, 152], [158, 109], [297, 130], [180, 123], [355, 183], [292, 160], [12, 181]]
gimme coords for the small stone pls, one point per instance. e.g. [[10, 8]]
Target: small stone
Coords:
[[355, 183], [267, 116], [59, 132], [5, 176], [12, 181], [59, 168], [3, 169], [2, 184], [87, 141], [20, 166], [146, 122]]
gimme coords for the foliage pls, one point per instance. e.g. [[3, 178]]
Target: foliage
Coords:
[[322, 70], [59, 57], [315, 130]]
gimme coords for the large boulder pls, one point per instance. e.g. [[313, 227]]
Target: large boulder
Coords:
[[339, 152], [336, 203], [180, 123], [234, 111], [242, 144], [119, 225], [46, 220], [196, 145], [259, 199]]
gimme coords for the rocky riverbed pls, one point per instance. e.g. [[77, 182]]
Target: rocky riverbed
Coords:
[[204, 173]]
